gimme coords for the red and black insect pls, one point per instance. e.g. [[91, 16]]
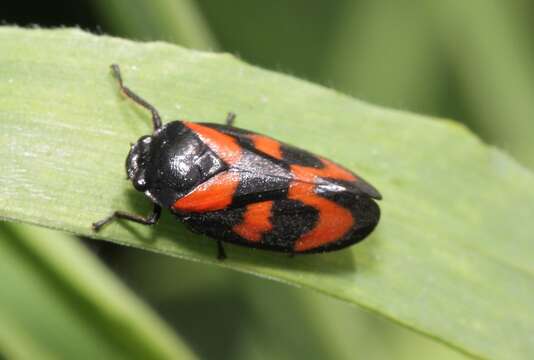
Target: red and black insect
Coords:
[[245, 188]]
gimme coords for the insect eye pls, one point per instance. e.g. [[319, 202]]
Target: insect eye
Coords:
[[140, 183]]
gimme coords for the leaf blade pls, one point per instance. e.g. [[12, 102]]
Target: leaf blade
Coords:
[[446, 235]]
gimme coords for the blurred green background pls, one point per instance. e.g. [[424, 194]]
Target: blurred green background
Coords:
[[472, 61]]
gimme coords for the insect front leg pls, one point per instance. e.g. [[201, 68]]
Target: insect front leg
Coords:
[[148, 220], [156, 118]]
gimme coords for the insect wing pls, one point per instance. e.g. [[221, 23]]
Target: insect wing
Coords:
[[301, 165], [317, 224]]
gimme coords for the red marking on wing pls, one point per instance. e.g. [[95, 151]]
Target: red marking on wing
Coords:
[[267, 145], [214, 194], [333, 223], [256, 221], [330, 170], [223, 145]]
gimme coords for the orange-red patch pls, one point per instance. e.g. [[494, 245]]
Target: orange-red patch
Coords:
[[223, 145], [214, 194], [267, 145], [256, 221], [330, 170], [334, 221]]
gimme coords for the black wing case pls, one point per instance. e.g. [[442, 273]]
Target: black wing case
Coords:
[[289, 200], [287, 156], [287, 225]]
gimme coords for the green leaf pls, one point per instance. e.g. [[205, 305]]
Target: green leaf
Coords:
[[451, 257], [205, 307], [59, 302]]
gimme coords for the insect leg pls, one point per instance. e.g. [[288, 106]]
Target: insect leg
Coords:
[[148, 220], [230, 119], [221, 254], [156, 119]]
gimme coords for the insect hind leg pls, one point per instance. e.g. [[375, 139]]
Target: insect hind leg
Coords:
[[230, 119], [221, 254]]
